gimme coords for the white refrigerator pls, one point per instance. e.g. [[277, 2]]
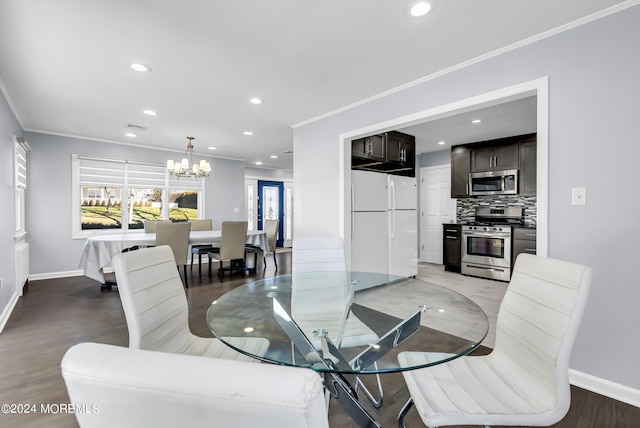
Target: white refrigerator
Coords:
[[384, 229]]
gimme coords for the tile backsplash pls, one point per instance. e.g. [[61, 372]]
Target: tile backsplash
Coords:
[[465, 207]]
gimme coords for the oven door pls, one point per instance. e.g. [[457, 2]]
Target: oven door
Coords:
[[486, 255]]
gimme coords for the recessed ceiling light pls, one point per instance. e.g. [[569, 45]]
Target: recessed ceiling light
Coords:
[[476, 121], [143, 68], [130, 134], [258, 163], [150, 112], [248, 132], [211, 148], [274, 157], [256, 101], [420, 8], [441, 143]]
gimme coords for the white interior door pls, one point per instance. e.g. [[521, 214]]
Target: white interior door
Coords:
[[436, 208]]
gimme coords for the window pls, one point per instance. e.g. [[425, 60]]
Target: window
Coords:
[[109, 194], [21, 162]]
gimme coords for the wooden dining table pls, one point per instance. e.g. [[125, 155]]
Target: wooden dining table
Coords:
[[98, 251]]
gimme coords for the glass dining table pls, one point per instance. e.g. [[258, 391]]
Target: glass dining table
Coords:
[[347, 324]]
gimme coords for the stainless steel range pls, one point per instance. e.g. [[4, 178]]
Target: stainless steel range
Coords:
[[486, 242]]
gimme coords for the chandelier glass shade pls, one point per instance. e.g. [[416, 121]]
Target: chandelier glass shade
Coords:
[[189, 167]]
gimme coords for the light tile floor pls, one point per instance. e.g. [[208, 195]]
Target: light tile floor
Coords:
[[402, 301]]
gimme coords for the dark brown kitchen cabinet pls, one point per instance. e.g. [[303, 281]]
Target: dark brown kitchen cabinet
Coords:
[[523, 241], [368, 150], [401, 150], [460, 167], [452, 247], [495, 157], [528, 167]]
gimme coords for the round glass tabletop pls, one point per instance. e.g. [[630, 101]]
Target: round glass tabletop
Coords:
[[349, 322]]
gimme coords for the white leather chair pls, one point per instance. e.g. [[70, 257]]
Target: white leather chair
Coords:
[[156, 308], [524, 380], [326, 254], [129, 388], [233, 238], [175, 235], [318, 254]]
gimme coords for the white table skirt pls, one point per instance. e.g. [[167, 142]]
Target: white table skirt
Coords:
[[99, 251]]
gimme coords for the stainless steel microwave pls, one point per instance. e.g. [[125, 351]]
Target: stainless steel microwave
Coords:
[[503, 182]]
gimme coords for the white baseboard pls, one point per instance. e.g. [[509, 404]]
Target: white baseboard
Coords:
[[6, 313], [605, 387], [52, 275]]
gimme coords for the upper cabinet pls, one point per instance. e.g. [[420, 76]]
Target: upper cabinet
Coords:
[[460, 167], [503, 154], [495, 157], [368, 151], [528, 167], [392, 152]]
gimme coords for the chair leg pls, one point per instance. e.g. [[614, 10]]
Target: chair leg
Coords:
[[186, 280], [403, 412], [274, 259], [192, 261], [199, 264]]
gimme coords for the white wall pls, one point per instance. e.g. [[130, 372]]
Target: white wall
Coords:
[[593, 142]]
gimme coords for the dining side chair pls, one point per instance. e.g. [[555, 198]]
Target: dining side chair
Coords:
[[150, 225], [525, 379], [326, 254], [176, 235], [270, 228], [156, 309], [132, 388], [200, 249], [233, 238]]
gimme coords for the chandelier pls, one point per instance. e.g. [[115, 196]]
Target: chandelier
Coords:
[[189, 167]]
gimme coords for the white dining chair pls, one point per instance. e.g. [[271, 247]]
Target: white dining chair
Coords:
[[132, 388], [156, 309], [524, 381], [326, 254]]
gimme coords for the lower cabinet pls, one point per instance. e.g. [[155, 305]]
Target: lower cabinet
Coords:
[[452, 247], [524, 241]]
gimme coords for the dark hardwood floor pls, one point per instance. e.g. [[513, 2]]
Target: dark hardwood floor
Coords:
[[58, 313]]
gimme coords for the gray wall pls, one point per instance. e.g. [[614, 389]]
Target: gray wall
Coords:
[[593, 142], [442, 157], [9, 127], [49, 213]]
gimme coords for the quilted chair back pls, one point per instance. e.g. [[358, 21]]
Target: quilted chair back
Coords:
[[153, 299], [318, 254], [536, 327]]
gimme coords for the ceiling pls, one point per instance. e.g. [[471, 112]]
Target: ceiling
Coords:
[[65, 65]]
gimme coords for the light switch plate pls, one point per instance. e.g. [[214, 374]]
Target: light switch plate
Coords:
[[578, 196], [236, 210]]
